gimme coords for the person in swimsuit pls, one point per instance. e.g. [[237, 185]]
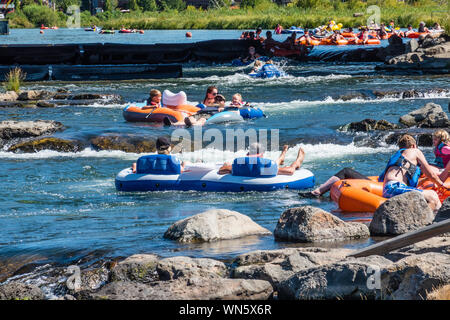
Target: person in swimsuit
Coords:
[[402, 173]]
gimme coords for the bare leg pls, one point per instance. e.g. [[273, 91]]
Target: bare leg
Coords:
[[280, 160], [295, 165], [133, 168], [325, 186]]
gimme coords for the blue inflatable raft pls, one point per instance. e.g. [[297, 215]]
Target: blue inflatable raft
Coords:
[[163, 172]]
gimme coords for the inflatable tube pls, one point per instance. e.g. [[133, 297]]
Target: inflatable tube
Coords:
[[415, 35], [126, 31], [427, 184], [173, 99], [90, 29], [107, 32], [292, 30], [280, 52], [133, 113], [348, 34], [369, 41], [251, 113], [206, 178], [357, 195], [225, 116]]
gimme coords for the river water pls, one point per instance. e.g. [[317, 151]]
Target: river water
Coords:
[[62, 208]]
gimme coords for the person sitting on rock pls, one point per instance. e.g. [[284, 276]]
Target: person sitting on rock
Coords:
[[163, 146], [257, 150], [403, 170], [154, 101]]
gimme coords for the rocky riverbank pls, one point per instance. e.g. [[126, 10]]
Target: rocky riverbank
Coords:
[[419, 271], [427, 55], [420, 123]]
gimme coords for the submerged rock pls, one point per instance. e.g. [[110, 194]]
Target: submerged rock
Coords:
[[369, 125], [24, 129], [310, 224], [51, 143], [214, 225], [429, 116], [20, 291], [132, 144], [401, 214]]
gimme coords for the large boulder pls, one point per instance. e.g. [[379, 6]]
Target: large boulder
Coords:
[[214, 225], [412, 46], [347, 279], [51, 143], [20, 291], [276, 266], [429, 116], [185, 267], [401, 214], [24, 129], [138, 267], [196, 288], [133, 144], [413, 277], [309, 224]]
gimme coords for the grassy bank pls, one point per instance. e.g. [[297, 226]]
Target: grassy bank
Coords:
[[305, 13]]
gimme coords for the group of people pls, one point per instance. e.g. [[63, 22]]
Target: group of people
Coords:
[[403, 170], [212, 103]]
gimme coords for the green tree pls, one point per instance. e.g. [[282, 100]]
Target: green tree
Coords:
[[64, 4], [178, 5], [133, 5], [148, 5], [111, 5]]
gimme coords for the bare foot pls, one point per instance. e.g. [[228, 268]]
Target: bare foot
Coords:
[[300, 157], [283, 154]]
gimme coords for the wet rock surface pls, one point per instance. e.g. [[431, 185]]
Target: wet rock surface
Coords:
[[429, 116], [134, 144], [310, 224], [51, 143]]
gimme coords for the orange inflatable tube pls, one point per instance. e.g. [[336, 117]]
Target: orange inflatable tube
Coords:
[[357, 195], [137, 114]]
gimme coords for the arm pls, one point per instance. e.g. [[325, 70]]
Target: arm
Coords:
[[444, 175], [427, 170], [226, 168]]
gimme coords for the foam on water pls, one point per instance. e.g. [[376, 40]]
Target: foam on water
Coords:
[[294, 104], [211, 155]]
